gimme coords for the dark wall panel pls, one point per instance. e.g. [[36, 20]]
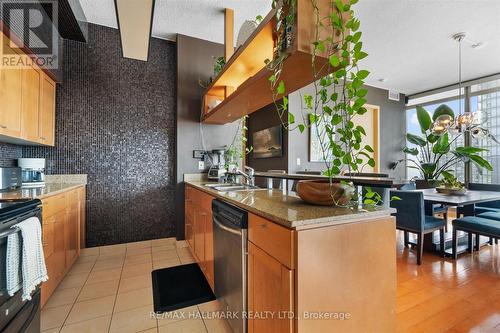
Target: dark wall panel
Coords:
[[195, 60], [115, 121]]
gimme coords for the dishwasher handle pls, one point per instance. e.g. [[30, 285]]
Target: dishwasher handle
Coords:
[[225, 228]]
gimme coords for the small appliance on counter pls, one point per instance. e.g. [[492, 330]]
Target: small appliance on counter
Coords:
[[10, 178], [33, 171], [218, 168]]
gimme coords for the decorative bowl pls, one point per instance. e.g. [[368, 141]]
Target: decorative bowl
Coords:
[[321, 192], [451, 191]]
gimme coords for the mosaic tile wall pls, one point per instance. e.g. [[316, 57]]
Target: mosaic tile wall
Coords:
[[115, 122], [8, 155]]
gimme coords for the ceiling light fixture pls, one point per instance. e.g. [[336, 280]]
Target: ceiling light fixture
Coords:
[[135, 21]]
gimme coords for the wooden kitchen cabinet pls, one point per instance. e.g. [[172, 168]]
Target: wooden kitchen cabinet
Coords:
[[30, 104], [61, 226], [270, 290], [27, 104], [198, 230], [10, 99]]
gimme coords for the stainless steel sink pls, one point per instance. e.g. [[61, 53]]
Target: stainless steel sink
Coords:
[[227, 187]]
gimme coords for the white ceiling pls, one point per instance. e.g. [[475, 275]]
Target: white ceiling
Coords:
[[408, 41]]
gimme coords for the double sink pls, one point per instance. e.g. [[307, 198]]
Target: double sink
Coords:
[[230, 187]]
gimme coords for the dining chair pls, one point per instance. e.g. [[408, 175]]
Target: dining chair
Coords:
[[411, 218]]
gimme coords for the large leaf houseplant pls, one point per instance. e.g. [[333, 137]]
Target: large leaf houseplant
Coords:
[[436, 154], [339, 97]]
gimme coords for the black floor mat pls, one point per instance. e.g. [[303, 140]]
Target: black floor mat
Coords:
[[180, 286]]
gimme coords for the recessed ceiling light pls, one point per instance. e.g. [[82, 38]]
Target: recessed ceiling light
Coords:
[[382, 80]]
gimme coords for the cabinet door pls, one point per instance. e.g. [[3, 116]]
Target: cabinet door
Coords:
[[189, 223], [30, 104], [47, 111], [71, 234], [59, 254], [10, 99], [199, 236], [81, 221], [270, 288], [209, 249]]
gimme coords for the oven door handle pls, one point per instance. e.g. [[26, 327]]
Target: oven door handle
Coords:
[[9, 232], [223, 227]]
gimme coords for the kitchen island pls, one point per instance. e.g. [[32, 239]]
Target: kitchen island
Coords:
[[310, 268]]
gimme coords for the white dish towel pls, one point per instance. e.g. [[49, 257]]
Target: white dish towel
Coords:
[[33, 266]]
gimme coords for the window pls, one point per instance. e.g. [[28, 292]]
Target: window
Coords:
[[413, 127], [482, 95]]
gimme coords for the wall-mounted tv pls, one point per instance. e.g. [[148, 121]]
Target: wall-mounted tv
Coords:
[[268, 142]]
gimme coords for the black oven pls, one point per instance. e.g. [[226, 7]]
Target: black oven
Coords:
[[15, 315]]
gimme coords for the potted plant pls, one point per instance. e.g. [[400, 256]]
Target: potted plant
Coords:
[[433, 152], [449, 184], [338, 98]]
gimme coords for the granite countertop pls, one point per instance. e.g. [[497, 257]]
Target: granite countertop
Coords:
[[53, 185], [289, 210]]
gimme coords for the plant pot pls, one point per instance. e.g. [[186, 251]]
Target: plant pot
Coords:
[[426, 183], [321, 192]]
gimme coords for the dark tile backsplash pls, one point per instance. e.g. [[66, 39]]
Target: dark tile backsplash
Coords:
[[115, 121], [8, 155]]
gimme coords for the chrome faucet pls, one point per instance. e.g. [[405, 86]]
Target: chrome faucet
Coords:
[[249, 175]]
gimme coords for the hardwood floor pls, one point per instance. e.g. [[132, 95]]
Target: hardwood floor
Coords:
[[443, 295]]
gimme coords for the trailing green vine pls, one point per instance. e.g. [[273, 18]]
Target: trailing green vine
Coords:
[[339, 93]]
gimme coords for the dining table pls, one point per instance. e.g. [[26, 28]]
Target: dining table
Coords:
[[466, 202]]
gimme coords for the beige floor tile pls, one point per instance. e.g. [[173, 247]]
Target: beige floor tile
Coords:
[[138, 259], [113, 249], [166, 263], [54, 317], [163, 241], [184, 252], [62, 297], [89, 251], [135, 320], [209, 306], [73, 281], [108, 257], [83, 259], [96, 325], [217, 325], [151, 330], [53, 330], [181, 244], [138, 245], [91, 309], [106, 275], [79, 268], [107, 264], [136, 270], [138, 251], [184, 326], [97, 290], [133, 299], [134, 283], [177, 315], [163, 248], [187, 260], [162, 255]]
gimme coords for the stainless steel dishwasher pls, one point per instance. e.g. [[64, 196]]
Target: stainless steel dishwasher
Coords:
[[230, 261]]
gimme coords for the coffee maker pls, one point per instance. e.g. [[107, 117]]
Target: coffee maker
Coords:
[[33, 171], [218, 168]]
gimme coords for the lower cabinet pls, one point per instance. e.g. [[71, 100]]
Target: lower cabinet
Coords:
[[198, 230], [62, 218]]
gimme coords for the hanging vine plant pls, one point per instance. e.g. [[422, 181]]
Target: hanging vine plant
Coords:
[[339, 96]]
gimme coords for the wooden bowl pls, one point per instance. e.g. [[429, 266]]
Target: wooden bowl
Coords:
[[321, 192], [451, 191]]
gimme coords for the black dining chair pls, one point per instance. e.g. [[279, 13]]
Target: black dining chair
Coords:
[[411, 218]]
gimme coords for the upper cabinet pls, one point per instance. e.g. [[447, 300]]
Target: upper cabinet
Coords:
[[243, 85], [27, 104]]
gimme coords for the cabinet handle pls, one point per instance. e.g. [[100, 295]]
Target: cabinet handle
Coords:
[[42, 138], [3, 126], [263, 226]]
